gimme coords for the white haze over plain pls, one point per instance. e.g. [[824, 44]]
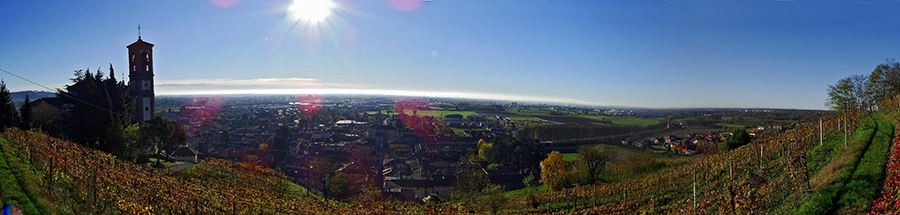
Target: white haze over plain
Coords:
[[300, 86]]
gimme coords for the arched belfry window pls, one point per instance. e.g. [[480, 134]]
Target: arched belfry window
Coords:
[[147, 57]]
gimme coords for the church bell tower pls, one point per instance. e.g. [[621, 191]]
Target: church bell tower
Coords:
[[140, 75]]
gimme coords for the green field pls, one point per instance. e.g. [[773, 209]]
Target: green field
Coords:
[[526, 191], [530, 113], [164, 163], [522, 118], [440, 113], [432, 113], [622, 120], [845, 180]]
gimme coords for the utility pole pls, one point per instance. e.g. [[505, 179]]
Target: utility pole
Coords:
[[694, 179], [846, 138]]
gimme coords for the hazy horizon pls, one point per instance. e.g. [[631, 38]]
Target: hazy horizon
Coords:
[[678, 54]]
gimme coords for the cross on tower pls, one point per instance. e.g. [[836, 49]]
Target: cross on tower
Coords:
[[139, 31]]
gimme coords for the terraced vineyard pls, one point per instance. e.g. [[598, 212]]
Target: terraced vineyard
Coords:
[[43, 175], [792, 173]]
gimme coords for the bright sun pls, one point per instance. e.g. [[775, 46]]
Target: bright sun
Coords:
[[311, 10]]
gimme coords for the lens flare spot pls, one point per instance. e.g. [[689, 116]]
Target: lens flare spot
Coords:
[[425, 127], [224, 3], [309, 104], [198, 111], [406, 5]]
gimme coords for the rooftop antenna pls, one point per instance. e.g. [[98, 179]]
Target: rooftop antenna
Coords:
[[139, 31]]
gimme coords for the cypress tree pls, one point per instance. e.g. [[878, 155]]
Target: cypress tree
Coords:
[[8, 114], [26, 113]]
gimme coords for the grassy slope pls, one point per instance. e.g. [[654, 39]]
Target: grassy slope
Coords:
[[240, 184], [851, 178], [865, 182], [844, 181], [12, 188]]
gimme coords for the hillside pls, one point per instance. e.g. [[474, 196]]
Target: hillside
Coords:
[[792, 173], [19, 97], [43, 175]]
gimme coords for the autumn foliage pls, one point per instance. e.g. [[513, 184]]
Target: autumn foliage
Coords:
[[889, 203], [76, 179], [749, 179], [553, 171]]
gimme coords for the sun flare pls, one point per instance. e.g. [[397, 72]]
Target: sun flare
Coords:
[[311, 10]]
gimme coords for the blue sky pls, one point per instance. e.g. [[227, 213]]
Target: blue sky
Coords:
[[778, 54]]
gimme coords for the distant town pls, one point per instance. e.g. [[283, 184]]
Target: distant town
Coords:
[[413, 147]]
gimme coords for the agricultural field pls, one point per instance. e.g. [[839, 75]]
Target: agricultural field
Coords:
[[622, 120], [574, 117], [432, 113]]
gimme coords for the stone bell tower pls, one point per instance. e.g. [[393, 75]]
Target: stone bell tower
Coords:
[[140, 75]]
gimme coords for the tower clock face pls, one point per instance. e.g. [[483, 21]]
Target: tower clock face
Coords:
[[145, 85]]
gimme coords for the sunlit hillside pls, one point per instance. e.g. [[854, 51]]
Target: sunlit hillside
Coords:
[[792, 173], [795, 172], [44, 175]]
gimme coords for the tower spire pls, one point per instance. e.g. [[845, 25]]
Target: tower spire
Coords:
[[139, 31]]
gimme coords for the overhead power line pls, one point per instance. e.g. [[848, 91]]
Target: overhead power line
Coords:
[[59, 92]]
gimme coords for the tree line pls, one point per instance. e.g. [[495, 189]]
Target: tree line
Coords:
[[94, 111], [867, 92], [577, 131]]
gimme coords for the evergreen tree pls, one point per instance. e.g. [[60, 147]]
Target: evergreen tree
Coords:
[[27, 114], [738, 138], [46, 118], [98, 111], [8, 114], [280, 145]]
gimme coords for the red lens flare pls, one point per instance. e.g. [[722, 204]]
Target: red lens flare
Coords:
[[406, 5], [224, 3], [309, 104], [423, 126], [198, 111]]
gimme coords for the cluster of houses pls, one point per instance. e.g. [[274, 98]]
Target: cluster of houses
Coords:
[[684, 145], [377, 150], [403, 164]]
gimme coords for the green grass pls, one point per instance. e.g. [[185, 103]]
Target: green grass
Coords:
[[432, 113], [458, 131], [294, 189], [866, 182], [528, 111], [621, 120], [384, 112], [164, 163], [11, 187], [522, 118], [569, 156], [526, 191], [440, 113], [852, 177], [528, 115], [189, 169]]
